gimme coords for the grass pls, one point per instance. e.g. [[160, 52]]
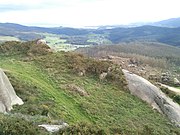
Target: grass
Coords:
[[8, 38], [58, 44], [35, 77], [99, 39], [177, 87], [42, 84], [53, 39]]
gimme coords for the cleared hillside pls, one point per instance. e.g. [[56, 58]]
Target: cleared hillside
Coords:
[[44, 84], [149, 49]]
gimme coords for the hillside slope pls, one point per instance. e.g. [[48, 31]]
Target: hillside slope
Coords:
[[149, 49], [172, 23], [76, 36], [143, 33], [44, 83]]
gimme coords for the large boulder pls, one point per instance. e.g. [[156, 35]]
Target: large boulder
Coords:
[[148, 92], [8, 97]]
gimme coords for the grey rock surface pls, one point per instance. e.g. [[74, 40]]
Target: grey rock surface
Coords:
[[8, 97], [148, 92], [53, 128]]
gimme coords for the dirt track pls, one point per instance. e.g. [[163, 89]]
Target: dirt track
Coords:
[[176, 90]]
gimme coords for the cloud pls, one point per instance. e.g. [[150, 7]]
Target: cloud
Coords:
[[11, 7], [23, 5], [86, 12]]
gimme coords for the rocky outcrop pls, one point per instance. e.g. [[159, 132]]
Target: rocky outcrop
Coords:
[[54, 128], [148, 92], [77, 89], [8, 97], [102, 76], [41, 41]]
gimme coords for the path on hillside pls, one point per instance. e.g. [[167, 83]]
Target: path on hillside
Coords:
[[176, 90]]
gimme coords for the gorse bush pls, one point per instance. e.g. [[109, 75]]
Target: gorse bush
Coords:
[[78, 62], [82, 129], [29, 48], [116, 75], [10, 125]]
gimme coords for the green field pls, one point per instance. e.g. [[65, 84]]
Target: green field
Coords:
[[58, 44], [8, 38], [99, 39]]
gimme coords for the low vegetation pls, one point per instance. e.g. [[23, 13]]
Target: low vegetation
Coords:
[[11, 125], [11, 48], [8, 38], [42, 78], [158, 58]]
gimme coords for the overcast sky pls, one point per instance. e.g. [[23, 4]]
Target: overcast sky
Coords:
[[78, 13]]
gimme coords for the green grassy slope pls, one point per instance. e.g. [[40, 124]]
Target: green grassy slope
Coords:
[[42, 81]]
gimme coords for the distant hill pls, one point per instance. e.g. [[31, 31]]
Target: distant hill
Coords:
[[31, 33], [55, 30], [172, 23], [169, 36], [76, 36]]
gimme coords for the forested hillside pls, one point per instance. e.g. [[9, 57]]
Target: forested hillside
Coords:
[[76, 36]]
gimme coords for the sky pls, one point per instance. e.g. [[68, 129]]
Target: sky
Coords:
[[80, 13]]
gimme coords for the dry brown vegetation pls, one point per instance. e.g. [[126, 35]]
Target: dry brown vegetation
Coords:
[[151, 52], [157, 58]]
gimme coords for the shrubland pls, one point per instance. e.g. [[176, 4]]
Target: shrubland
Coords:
[[41, 80]]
